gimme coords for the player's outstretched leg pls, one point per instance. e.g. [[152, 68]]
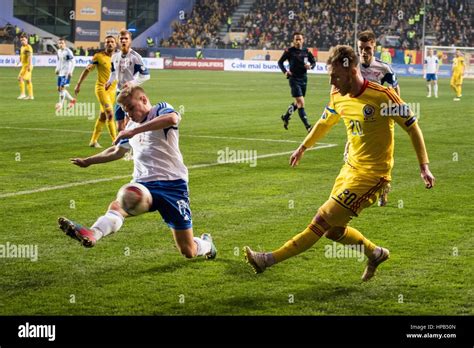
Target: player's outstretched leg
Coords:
[[109, 223], [77, 232], [260, 261]]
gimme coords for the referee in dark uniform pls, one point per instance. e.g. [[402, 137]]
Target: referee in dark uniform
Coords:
[[300, 59]]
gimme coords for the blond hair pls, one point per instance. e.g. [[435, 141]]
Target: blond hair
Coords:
[[342, 55], [128, 93], [126, 32]]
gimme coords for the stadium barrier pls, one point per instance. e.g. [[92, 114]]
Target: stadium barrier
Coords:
[[417, 70], [264, 66], [194, 64], [81, 61], [414, 70]]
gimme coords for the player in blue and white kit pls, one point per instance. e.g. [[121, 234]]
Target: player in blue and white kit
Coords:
[[128, 69], [64, 69], [430, 71], [152, 133]]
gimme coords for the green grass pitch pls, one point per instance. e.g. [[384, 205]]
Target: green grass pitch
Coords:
[[138, 270]]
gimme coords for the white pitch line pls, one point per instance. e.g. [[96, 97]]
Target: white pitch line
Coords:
[[182, 135], [95, 181]]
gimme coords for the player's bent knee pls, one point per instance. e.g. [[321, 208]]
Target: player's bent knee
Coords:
[[115, 205], [335, 232]]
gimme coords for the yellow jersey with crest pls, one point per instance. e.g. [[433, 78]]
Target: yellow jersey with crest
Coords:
[[103, 62], [25, 53], [369, 118], [458, 64]]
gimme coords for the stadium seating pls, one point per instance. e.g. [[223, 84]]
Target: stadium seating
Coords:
[[270, 23]]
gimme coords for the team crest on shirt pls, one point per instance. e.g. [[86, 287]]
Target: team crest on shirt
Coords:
[[369, 113]]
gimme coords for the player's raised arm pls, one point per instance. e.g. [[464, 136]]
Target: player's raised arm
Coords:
[[164, 121], [329, 118], [113, 153]]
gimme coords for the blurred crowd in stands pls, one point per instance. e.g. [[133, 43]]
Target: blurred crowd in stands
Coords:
[[271, 23], [201, 27]]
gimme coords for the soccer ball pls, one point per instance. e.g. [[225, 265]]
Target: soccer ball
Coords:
[[134, 198]]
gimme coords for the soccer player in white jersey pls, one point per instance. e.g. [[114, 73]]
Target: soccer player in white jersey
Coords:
[[372, 68], [128, 69], [152, 133], [430, 71], [64, 70]]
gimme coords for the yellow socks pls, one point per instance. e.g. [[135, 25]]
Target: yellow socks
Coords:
[[299, 243], [353, 237], [112, 129], [29, 86], [99, 125], [22, 88], [458, 90]]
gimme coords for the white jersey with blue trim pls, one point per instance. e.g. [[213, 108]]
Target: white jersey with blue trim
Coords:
[[431, 63], [379, 72], [65, 64], [128, 67], [156, 154]]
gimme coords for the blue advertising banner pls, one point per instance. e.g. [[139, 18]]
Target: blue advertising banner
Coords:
[[87, 31], [114, 10]]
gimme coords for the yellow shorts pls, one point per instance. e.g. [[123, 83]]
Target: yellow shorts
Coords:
[[353, 191], [106, 98], [456, 79], [25, 74]]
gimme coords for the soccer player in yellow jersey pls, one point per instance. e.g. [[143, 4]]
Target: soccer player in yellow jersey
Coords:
[[106, 97], [369, 112], [457, 75], [26, 60]]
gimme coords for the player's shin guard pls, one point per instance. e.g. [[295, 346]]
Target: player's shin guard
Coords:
[[112, 128], [107, 224], [303, 117], [299, 243], [353, 237], [22, 87], [458, 91], [99, 125], [435, 87]]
